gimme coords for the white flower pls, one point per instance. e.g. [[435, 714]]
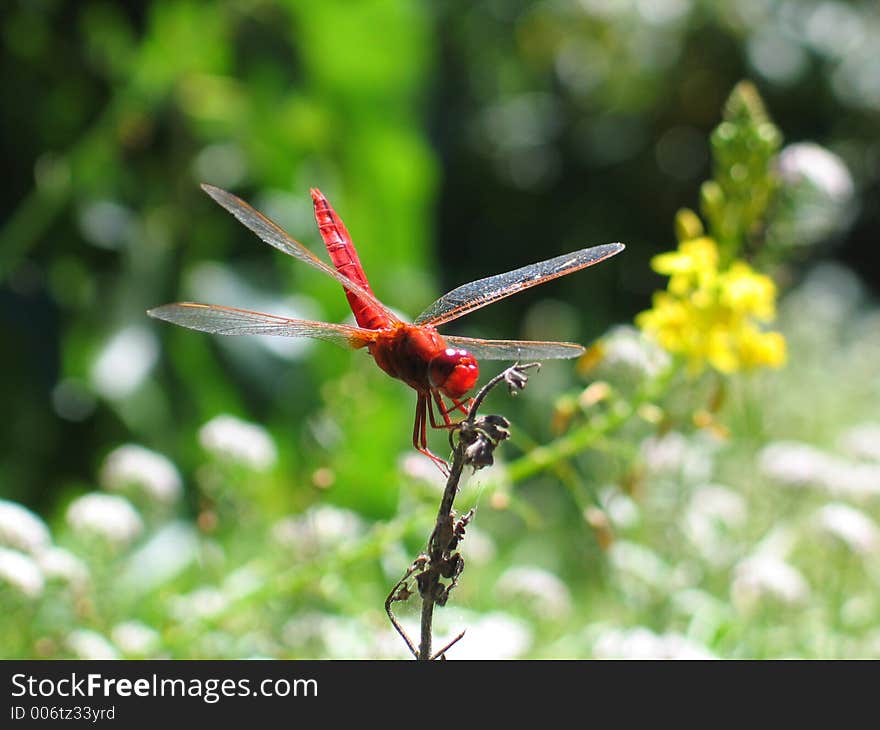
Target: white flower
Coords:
[[107, 515], [321, 527], [827, 298], [63, 565], [493, 635], [862, 441], [642, 643], [304, 628], [794, 464], [125, 362], [135, 638], [88, 644], [817, 194], [664, 453], [107, 223], [546, 594], [639, 562], [417, 466], [853, 527], [132, 465], [338, 637], [242, 583], [720, 503], [714, 512], [478, 547], [224, 164], [856, 481], [778, 542], [22, 529], [202, 603], [626, 352], [620, 507], [345, 638], [230, 439], [673, 454], [764, 575], [21, 572], [165, 555], [819, 166], [395, 559], [389, 645]]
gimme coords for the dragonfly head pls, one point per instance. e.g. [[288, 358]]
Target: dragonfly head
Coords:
[[453, 372]]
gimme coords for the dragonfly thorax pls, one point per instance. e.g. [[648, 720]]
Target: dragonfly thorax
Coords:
[[453, 372]]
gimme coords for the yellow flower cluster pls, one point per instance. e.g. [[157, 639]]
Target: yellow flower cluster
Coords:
[[712, 315]]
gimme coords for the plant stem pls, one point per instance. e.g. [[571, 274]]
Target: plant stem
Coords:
[[477, 439], [438, 547]]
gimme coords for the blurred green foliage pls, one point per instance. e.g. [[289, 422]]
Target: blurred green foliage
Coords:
[[476, 137], [744, 146]]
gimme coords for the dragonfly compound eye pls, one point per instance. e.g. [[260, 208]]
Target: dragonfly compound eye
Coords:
[[453, 372]]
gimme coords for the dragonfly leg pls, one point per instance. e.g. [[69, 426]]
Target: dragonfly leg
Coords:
[[420, 432], [419, 420], [444, 411], [464, 407]]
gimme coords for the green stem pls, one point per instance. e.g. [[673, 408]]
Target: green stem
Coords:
[[579, 439]]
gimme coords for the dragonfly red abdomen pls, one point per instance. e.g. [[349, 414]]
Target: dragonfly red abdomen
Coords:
[[345, 259]]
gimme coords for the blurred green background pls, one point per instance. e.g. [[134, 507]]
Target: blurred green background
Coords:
[[456, 140]]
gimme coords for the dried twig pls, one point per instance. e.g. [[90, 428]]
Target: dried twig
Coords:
[[473, 443]]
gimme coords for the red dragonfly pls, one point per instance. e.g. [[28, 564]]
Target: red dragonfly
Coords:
[[434, 365]]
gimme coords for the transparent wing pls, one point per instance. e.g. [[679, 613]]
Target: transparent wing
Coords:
[[230, 321], [516, 349], [477, 294], [271, 233]]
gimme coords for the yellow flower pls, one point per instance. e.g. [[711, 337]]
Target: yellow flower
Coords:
[[691, 263], [745, 291], [668, 319], [757, 349], [694, 256], [710, 316], [720, 351]]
